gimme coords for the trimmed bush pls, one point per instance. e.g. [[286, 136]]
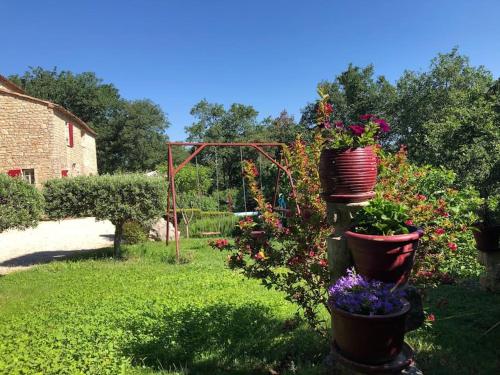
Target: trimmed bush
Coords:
[[134, 232], [118, 198], [21, 204]]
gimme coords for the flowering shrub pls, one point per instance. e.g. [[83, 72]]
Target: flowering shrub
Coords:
[[357, 295], [338, 135], [382, 217], [291, 258], [447, 249]]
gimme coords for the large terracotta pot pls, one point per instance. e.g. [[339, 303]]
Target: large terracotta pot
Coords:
[[487, 238], [385, 258], [348, 175], [369, 339]]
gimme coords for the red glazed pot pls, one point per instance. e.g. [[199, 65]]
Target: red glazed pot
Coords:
[[385, 258], [487, 238], [348, 175], [374, 339]]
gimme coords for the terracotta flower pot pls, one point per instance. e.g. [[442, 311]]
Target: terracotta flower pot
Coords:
[[487, 238], [348, 175], [385, 258], [374, 339]]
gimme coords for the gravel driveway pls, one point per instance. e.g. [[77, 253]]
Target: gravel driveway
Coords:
[[52, 240]]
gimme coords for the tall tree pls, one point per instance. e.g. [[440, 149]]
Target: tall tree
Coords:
[[449, 116], [130, 135]]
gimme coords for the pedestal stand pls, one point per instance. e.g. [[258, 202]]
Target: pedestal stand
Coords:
[[490, 280], [340, 215]]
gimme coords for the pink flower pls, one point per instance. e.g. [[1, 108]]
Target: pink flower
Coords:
[[384, 126], [431, 318], [409, 222], [366, 117], [312, 253], [339, 124], [452, 246], [328, 108], [323, 263], [440, 231], [327, 125], [357, 129], [421, 197]]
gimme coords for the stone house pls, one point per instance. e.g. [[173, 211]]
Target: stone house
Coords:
[[40, 140]]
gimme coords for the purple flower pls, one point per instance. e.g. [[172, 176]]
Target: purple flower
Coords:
[[358, 295], [384, 126], [357, 129], [366, 117]]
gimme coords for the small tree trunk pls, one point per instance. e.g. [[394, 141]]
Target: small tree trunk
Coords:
[[187, 230], [118, 240]]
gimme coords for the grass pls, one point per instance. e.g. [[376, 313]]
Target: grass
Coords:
[[144, 315]]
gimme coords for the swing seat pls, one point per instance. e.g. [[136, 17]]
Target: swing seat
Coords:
[[210, 233]]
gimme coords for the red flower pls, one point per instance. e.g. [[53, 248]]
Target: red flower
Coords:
[[357, 129], [383, 125], [327, 125], [328, 108], [452, 246], [339, 124], [440, 231], [312, 253], [409, 222], [323, 263], [431, 318], [366, 117], [421, 197]]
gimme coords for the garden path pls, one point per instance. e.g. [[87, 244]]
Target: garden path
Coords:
[[51, 240]]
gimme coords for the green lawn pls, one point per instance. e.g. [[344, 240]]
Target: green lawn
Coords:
[[146, 316]]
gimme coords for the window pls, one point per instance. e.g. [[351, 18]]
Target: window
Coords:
[[70, 139], [29, 175]]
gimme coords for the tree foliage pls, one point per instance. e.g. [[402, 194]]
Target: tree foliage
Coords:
[[21, 204], [118, 198]]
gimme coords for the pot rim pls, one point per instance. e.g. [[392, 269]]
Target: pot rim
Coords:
[[406, 307], [349, 149], [415, 234]]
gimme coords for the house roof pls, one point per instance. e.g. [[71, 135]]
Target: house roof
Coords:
[[19, 93], [11, 85]]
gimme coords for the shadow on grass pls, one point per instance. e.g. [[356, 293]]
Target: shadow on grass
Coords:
[[223, 339], [463, 339], [42, 257]]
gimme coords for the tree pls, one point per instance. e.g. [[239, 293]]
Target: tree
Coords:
[[134, 139], [449, 116], [21, 204], [355, 92], [118, 198], [130, 134]]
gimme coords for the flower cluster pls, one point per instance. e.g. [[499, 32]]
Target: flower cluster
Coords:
[[340, 135], [220, 244], [356, 294]]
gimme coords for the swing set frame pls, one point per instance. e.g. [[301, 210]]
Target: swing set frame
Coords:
[[200, 146]]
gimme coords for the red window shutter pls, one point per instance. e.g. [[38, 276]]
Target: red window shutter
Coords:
[[70, 134], [14, 172], [64, 173]]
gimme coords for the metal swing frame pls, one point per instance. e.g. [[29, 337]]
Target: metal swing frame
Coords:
[[200, 146]]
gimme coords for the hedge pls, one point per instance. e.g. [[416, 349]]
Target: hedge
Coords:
[[21, 204], [117, 198]]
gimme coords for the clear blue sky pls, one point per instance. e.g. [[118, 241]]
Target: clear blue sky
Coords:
[[266, 53]]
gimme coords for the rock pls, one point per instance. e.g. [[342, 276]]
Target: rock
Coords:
[[158, 231]]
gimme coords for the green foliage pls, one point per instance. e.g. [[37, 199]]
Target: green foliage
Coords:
[[225, 224], [382, 217], [21, 204], [117, 198], [447, 250], [130, 134], [134, 232], [448, 116]]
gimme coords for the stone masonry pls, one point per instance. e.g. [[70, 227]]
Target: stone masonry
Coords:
[[34, 135]]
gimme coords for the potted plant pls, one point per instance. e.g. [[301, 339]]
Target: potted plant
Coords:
[[382, 243], [487, 231], [348, 161], [368, 318]]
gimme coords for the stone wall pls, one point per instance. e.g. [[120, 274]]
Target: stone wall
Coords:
[[33, 135]]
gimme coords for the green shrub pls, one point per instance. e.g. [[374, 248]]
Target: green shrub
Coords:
[[21, 204], [117, 198], [134, 232]]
